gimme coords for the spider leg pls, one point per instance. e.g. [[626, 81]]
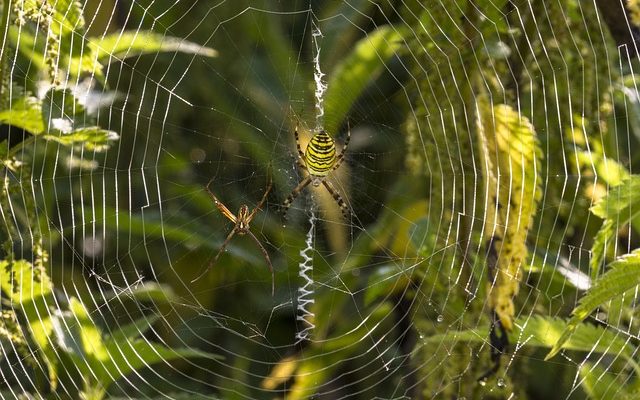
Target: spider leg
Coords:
[[336, 196], [297, 136], [264, 197], [340, 157], [224, 246], [223, 209], [266, 257], [300, 158], [294, 193]]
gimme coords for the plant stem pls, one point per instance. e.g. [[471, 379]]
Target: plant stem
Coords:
[[4, 29]]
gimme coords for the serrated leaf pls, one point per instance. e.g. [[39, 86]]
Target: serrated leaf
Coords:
[[356, 71], [618, 207], [25, 113], [610, 171], [601, 241], [92, 138], [623, 201], [623, 275]]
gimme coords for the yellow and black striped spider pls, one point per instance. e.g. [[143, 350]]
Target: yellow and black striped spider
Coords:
[[319, 159], [241, 227]]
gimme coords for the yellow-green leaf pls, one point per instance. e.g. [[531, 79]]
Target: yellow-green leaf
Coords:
[[623, 275], [24, 113], [359, 68]]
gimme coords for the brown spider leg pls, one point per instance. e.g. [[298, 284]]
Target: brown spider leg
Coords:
[[224, 246], [294, 193], [223, 209], [297, 136], [266, 256], [340, 158], [336, 196], [259, 206], [300, 159]]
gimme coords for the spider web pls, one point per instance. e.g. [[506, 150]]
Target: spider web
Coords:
[[390, 303]]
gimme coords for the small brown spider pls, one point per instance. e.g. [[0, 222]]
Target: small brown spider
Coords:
[[241, 227]]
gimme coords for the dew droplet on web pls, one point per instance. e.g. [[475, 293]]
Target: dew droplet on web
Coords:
[[440, 318]]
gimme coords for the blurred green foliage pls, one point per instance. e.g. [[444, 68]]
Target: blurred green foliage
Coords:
[[117, 115]]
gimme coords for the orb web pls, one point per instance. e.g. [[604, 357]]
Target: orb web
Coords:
[[490, 179]]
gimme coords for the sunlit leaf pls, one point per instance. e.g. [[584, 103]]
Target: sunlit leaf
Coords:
[[356, 71], [617, 208], [30, 291], [544, 332], [24, 113], [115, 47], [61, 111], [148, 291], [622, 275], [282, 372], [91, 138]]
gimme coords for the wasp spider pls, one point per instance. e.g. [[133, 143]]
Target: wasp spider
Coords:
[[319, 159], [241, 227]]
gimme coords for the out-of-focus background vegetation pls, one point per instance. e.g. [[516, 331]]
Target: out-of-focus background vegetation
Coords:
[[489, 175]]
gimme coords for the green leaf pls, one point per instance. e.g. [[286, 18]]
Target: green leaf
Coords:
[[602, 384], [93, 138], [118, 46], [67, 16], [125, 356], [61, 110], [606, 169], [25, 113], [622, 201], [601, 242], [544, 332], [178, 230], [78, 336], [623, 275], [29, 289], [108, 359], [148, 291], [618, 207], [135, 329], [387, 279], [356, 71]]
